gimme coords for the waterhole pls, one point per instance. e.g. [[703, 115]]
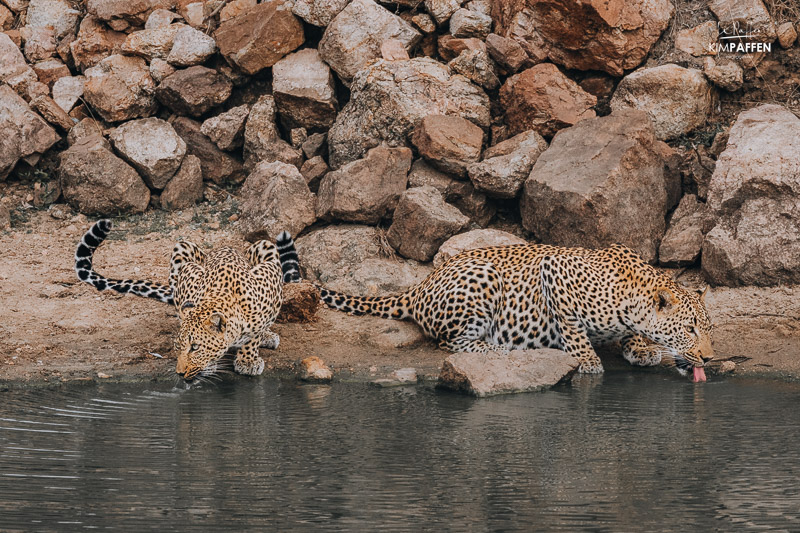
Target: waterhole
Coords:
[[626, 451]]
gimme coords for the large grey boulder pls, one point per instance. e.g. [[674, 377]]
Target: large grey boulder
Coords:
[[489, 374], [366, 190], [96, 182], [152, 146], [275, 197], [354, 259], [600, 182], [677, 100], [354, 37], [388, 100], [755, 195]]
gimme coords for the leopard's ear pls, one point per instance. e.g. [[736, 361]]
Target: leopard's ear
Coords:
[[665, 299], [217, 322], [702, 293]]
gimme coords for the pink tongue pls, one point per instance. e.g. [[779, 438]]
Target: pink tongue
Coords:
[[699, 374]]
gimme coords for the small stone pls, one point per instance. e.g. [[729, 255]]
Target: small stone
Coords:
[[152, 146], [461, 194], [235, 8], [466, 23], [194, 91], [424, 22], [94, 43], [67, 91], [52, 112], [87, 127], [726, 367], [50, 70], [160, 69], [219, 167], [24, 134], [494, 373], [227, 129], [314, 369], [442, 10], [318, 12], [6, 18], [5, 218], [726, 75], [698, 41], [314, 145], [103, 375], [787, 35], [185, 188], [684, 238], [477, 66], [262, 140], [40, 43], [448, 143], [450, 48], [160, 18], [297, 136], [46, 193], [422, 222], [393, 50], [313, 170], [507, 52], [153, 43], [300, 303], [191, 47], [506, 165]]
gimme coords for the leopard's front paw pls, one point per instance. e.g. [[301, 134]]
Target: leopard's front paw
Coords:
[[271, 341], [249, 368], [590, 367]]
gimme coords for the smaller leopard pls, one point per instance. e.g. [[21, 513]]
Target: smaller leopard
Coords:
[[224, 299]]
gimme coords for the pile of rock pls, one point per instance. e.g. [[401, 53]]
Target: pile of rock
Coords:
[[423, 119]]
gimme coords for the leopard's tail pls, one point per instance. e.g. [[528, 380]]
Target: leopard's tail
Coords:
[[397, 306], [288, 256], [85, 271]]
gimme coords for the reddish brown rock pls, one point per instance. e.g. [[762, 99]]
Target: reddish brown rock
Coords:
[[600, 182], [726, 75], [393, 50], [40, 43], [96, 182], [217, 166], [507, 52], [461, 194], [422, 222], [354, 37], [120, 88], [52, 112], [787, 35], [304, 90], [50, 70], [25, 134], [313, 170], [700, 40], [315, 370], [194, 91], [450, 47], [275, 197], [262, 141], [477, 66], [227, 129], [612, 36], [543, 99], [467, 23], [185, 188], [366, 190], [94, 43], [448, 143], [506, 165], [676, 99], [260, 36], [122, 14]]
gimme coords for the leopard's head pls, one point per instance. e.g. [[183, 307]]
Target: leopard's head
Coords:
[[204, 338], [680, 323]]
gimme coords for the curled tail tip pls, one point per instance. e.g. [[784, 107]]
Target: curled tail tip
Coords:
[[284, 239], [288, 257]]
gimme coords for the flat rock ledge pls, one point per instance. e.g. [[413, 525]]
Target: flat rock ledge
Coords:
[[493, 373]]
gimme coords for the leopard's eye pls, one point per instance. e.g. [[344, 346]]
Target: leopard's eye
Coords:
[[194, 347], [690, 330]]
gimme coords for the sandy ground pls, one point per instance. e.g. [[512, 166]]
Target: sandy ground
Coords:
[[55, 329]]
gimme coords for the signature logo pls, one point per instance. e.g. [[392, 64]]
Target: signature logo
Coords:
[[740, 38]]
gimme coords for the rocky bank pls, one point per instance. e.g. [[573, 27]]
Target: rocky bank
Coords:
[[387, 136]]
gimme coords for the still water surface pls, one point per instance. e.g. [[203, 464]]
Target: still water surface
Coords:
[[627, 451]]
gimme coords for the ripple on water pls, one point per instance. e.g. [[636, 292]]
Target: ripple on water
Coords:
[[627, 451]]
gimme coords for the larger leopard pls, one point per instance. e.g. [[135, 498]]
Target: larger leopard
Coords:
[[224, 299], [530, 296]]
